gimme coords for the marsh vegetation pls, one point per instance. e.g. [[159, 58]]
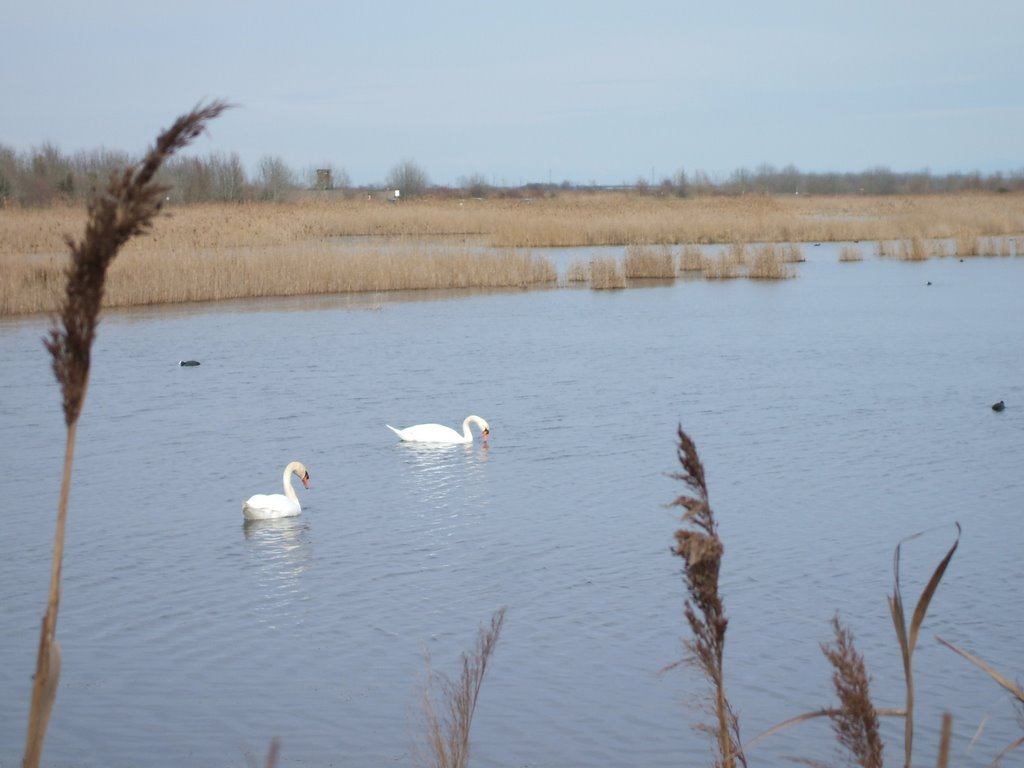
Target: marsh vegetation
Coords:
[[315, 245]]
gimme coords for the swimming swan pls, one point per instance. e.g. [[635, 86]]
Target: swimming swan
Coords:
[[438, 433], [270, 507]]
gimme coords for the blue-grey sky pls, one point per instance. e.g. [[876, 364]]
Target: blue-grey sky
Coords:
[[604, 91]]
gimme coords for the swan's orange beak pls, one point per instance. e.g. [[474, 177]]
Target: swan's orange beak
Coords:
[[484, 434], [305, 480]]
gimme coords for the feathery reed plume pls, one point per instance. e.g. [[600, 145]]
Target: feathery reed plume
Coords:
[[1014, 689], [855, 722], [125, 209], [448, 733], [698, 544], [908, 638]]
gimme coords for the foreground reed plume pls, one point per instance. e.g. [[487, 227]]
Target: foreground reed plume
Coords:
[[855, 722], [698, 544], [448, 733], [126, 208]]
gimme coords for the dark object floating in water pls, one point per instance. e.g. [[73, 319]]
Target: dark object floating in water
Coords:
[[929, 282], [188, 362], [999, 406]]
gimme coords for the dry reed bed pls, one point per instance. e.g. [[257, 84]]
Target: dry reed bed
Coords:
[[214, 251], [567, 220], [606, 273], [919, 249], [141, 279], [768, 261], [645, 261]]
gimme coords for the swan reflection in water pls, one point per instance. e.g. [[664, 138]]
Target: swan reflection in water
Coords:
[[281, 549], [439, 470]]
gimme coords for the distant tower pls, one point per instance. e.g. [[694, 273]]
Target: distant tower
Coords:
[[323, 178]]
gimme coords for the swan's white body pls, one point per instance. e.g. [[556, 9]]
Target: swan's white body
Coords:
[[438, 433], [264, 506]]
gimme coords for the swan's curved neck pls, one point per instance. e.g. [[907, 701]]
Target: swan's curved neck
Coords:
[[289, 490], [466, 434]]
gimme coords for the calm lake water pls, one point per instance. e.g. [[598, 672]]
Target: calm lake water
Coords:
[[836, 414]]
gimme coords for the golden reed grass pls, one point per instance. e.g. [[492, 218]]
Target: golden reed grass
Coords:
[[649, 261], [691, 258], [29, 238], [125, 209], [771, 262], [606, 273], [144, 278]]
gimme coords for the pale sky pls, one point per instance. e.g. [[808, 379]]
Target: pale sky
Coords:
[[603, 91]]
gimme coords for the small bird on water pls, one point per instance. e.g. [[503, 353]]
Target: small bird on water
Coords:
[[188, 362], [999, 406]]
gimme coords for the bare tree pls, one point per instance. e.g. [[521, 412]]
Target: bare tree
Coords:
[[275, 178], [228, 182], [408, 178]]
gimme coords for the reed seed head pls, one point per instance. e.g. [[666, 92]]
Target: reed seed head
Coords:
[[126, 208], [855, 722]]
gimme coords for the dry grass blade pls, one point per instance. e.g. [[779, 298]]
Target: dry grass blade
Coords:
[[908, 640], [273, 753], [1012, 687], [698, 544], [1007, 750], [944, 740], [125, 209], [1015, 690], [856, 722], [808, 716], [448, 733]]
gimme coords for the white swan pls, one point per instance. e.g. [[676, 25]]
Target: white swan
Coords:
[[272, 506], [438, 433]]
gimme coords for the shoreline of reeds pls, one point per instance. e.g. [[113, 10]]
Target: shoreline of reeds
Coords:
[[215, 251]]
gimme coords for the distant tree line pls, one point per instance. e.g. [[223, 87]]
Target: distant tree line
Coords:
[[45, 175]]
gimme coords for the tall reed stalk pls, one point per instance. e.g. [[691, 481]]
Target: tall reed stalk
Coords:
[[698, 544], [448, 732], [125, 209]]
